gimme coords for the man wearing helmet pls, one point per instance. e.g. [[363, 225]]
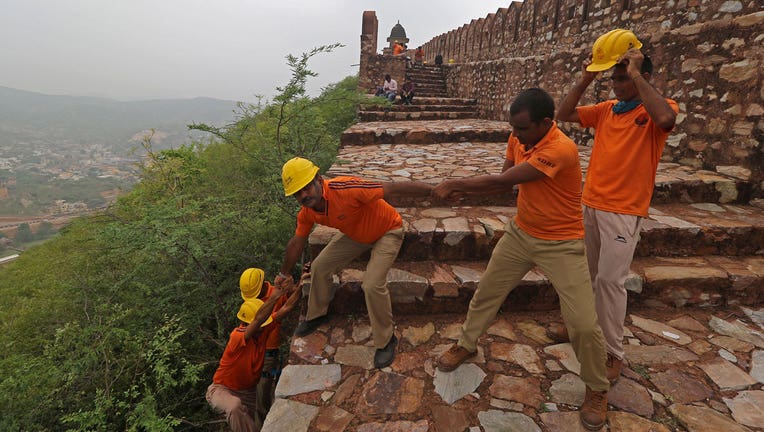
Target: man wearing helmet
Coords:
[[366, 222], [254, 287], [233, 388], [629, 136]]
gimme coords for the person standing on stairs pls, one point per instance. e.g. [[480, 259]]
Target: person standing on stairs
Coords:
[[629, 136], [547, 232], [366, 222]]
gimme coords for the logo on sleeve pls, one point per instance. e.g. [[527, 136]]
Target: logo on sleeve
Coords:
[[641, 120], [550, 164]]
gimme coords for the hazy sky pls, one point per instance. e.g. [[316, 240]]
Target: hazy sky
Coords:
[[227, 49]]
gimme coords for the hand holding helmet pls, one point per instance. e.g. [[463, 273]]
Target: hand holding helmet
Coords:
[[610, 49]]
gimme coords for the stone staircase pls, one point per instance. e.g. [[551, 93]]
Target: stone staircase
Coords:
[[698, 267], [430, 100]]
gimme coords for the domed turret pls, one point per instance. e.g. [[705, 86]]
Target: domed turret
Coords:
[[397, 34]]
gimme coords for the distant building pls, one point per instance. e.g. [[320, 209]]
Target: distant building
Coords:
[[397, 34]]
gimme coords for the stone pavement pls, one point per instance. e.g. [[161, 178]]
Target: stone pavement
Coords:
[[694, 327], [696, 370]]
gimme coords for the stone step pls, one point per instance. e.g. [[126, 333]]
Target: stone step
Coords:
[[425, 132], [432, 93], [422, 100], [434, 162], [416, 106], [428, 81], [429, 73], [708, 379], [447, 286], [370, 116], [419, 85], [672, 230]]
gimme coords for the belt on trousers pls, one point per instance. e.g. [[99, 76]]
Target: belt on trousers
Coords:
[[272, 353]]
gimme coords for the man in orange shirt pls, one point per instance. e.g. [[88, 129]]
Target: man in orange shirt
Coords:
[[233, 388], [366, 222], [547, 232], [254, 286], [629, 135], [397, 48]]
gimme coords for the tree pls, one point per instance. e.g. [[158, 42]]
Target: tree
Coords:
[[45, 230], [24, 233], [117, 322]]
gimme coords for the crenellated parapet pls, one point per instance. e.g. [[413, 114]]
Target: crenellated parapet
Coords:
[[708, 56]]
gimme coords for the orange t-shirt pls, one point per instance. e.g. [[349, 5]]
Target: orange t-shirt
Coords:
[[273, 330], [353, 206], [397, 49], [242, 361], [550, 208], [624, 160]]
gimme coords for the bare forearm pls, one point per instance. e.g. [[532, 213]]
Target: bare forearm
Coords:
[[567, 108], [289, 305], [262, 315], [655, 104], [293, 251], [482, 185], [406, 189]]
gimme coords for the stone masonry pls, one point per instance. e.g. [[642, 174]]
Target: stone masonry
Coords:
[[705, 53], [694, 332]]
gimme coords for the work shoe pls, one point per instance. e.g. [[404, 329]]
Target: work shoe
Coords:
[[594, 409], [558, 333], [309, 326], [452, 358], [614, 365], [384, 356]]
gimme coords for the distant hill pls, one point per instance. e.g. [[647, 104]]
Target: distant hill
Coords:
[[31, 116], [80, 149]]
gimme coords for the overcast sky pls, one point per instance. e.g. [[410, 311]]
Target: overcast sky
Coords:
[[226, 49]]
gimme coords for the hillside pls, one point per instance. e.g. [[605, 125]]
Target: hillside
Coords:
[[79, 149]]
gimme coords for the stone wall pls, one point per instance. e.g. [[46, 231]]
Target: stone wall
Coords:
[[373, 66], [708, 56]]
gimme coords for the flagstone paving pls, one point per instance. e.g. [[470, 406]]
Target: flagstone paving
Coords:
[[521, 380]]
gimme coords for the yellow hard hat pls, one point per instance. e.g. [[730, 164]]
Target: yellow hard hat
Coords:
[[296, 174], [250, 282], [249, 309], [610, 46]]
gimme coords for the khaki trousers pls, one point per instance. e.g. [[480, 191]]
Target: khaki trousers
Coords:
[[611, 239], [564, 263], [238, 406], [337, 254]]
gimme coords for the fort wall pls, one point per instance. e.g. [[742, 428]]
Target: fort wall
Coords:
[[708, 56]]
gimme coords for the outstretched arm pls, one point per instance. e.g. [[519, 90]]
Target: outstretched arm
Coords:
[[488, 184], [262, 314], [567, 109], [293, 251], [406, 189], [655, 104]]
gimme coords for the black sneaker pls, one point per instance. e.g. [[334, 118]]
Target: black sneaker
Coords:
[[383, 357], [309, 326]]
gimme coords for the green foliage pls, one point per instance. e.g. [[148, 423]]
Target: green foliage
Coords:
[[118, 322], [24, 233]]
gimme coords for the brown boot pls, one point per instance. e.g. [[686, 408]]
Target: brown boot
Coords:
[[558, 333], [594, 410], [452, 358], [614, 365]]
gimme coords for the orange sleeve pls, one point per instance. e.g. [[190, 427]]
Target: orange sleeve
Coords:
[[588, 115], [511, 143], [550, 160]]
